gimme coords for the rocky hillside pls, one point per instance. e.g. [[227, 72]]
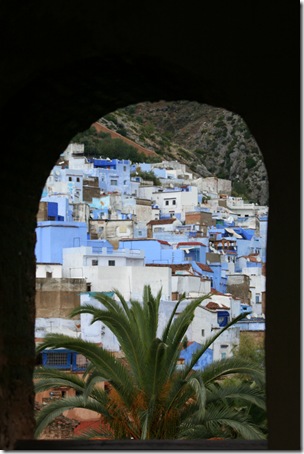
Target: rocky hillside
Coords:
[[211, 141]]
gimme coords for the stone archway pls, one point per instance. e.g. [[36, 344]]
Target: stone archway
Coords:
[[49, 102]]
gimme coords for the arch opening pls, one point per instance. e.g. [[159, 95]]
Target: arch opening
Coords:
[[114, 123], [38, 122]]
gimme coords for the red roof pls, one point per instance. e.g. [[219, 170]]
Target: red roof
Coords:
[[174, 268], [216, 292], [91, 424], [161, 221], [164, 242], [204, 267], [213, 305]]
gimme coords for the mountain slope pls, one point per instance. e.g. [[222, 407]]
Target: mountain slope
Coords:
[[211, 141]]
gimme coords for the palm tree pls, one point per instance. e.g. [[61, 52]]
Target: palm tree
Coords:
[[149, 397]]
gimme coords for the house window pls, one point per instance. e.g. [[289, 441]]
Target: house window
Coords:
[[111, 262], [223, 355], [222, 318], [78, 179], [56, 359], [257, 298], [173, 202], [94, 262], [124, 168], [113, 182], [48, 274], [70, 178], [203, 332], [139, 233], [166, 202]]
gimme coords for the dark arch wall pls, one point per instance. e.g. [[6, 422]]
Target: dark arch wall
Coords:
[[66, 65]]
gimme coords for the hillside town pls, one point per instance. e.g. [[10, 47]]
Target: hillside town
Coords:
[[104, 224]]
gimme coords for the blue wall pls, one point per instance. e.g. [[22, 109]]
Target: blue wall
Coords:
[[53, 236], [155, 252], [204, 360]]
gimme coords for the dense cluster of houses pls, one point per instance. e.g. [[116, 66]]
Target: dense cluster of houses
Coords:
[[101, 226]]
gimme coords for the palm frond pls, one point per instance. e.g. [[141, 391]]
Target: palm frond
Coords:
[[196, 356], [240, 394], [104, 361], [48, 413], [89, 434], [221, 421], [232, 366], [52, 378]]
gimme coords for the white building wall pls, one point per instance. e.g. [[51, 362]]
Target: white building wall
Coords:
[[79, 262], [80, 164], [205, 325], [257, 287], [42, 269], [44, 326], [129, 280], [213, 185], [146, 192], [176, 201], [190, 285]]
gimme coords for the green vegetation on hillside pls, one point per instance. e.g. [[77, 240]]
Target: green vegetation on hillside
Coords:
[[147, 176], [101, 144]]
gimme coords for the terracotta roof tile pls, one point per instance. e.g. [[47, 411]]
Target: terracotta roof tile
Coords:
[[213, 305], [204, 267], [161, 221], [178, 267]]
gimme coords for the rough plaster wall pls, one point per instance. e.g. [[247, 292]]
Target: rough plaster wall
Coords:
[[57, 297]]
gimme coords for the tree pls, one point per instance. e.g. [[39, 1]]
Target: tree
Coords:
[[251, 348], [149, 397]]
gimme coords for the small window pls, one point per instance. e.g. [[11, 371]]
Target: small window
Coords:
[[89, 286], [111, 262], [257, 298], [203, 332], [49, 275], [167, 202], [94, 262], [223, 355], [113, 182], [78, 179], [70, 178], [173, 202], [124, 168]]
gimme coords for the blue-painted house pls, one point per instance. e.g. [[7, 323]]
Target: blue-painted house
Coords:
[[187, 353], [156, 251], [53, 236], [113, 174], [194, 250]]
